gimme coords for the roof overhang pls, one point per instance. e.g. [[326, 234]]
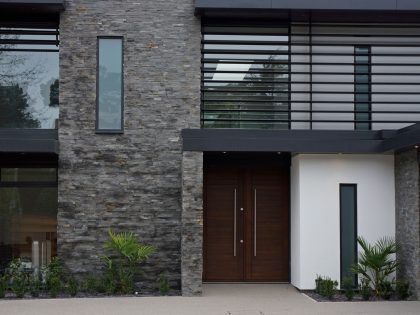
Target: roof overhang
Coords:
[[38, 12], [300, 141], [29, 141], [318, 11]]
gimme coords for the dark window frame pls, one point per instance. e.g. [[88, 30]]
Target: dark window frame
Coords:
[[97, 129], [369, 84], [355, 231]]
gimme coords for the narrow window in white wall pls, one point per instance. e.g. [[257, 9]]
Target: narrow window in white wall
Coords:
[[348, 230], [362, 88]]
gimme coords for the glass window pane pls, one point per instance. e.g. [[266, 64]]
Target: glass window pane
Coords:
[[28, 174], [28, 225], [362, 87], [29, 82], [348, 229], [110, 93]]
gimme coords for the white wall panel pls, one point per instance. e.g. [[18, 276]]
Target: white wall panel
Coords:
[[315, 224]]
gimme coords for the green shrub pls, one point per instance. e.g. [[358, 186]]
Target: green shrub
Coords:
[[126, 282], [347, 285], [19, 278], [402, 289], [3, 286], [163, 284], [53, 276], [54, 286], [127, 254], [35, 286], [109, 285], [376, 262], [326, 287], [365, 289], [318, 281], [90, 284], [386, 289], [73, 287]]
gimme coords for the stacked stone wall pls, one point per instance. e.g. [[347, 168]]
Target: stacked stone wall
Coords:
[[130, 181]]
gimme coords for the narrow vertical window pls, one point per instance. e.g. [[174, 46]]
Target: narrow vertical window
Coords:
[[362, 88], [348, 230], [109, 111]]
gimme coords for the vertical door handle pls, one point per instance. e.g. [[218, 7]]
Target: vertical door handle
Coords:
[[255, 222], [234, 222]]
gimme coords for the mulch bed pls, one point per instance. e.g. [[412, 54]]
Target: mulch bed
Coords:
[[342, 298]]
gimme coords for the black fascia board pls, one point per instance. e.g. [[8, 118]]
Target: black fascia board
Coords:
[[29, 141], [405, 138], [295, 141], [57, 5], [373, 5]]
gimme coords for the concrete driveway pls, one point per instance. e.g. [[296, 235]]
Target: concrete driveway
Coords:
[[218, 299]]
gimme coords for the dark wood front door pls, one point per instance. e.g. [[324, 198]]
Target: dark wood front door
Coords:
[[246, 224]]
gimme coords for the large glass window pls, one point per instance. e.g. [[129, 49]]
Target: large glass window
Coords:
[[28, 216], [110, 85], [29, 78], [348, 229], [245, 75]]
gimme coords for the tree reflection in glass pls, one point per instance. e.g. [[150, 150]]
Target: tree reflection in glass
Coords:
[[28, 79]]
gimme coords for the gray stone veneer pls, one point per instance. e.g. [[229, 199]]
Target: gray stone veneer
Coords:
[[192, 223], [407, 184], [130, 181]]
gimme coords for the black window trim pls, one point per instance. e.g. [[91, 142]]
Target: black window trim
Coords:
[[97, 129]]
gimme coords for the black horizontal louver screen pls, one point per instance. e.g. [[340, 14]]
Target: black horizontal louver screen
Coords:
[[29, 39], [245, 77], [319, 76]]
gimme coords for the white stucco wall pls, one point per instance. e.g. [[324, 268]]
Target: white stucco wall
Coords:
[[315, 221]]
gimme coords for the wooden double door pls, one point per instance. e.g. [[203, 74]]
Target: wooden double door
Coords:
[[246, 224]]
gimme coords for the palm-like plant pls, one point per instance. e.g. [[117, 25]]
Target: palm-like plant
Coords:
[[376, 262], [127, 246], [130, 252]]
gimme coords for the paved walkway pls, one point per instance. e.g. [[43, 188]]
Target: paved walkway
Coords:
[[218, 299]]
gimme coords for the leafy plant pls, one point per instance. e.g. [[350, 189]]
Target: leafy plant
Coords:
[[365, 289], [19, 278], [163, 284], [109, 284], [326, 287], [402, 289], [348, 288], [129, 254], [35, 286], [318, 281], [90, 284], [386, 290], [73, 286], [376, 262], [126, 282], [3, 286], [128, 248], [54, 286], [51, 271], [110, 277]]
